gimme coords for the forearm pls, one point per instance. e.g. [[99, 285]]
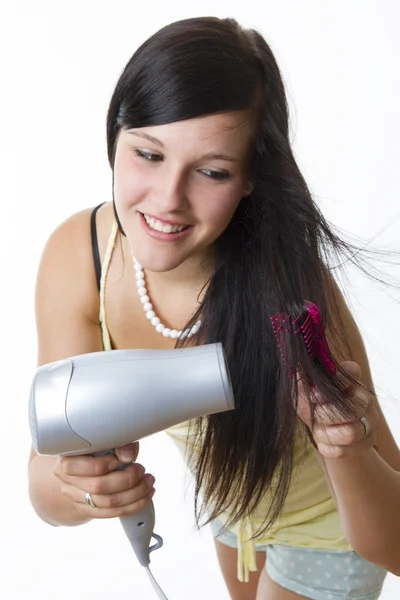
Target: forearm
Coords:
[[367, 494], [45, 495], [323, 466]]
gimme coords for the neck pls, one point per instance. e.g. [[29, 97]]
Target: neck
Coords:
[[184, 299], [190, 276]]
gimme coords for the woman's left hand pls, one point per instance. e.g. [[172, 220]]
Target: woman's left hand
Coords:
[[335, 437]]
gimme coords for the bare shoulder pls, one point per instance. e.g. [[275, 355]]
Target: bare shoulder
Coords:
[[66, 295]]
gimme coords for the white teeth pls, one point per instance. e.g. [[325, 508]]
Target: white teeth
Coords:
[[156, 224]]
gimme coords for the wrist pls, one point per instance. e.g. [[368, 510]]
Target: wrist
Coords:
[[46, 498]]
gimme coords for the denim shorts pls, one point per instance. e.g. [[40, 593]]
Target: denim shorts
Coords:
[[317, 574]]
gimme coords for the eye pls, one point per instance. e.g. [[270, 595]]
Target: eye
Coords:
[[217, 175], [149, 156]]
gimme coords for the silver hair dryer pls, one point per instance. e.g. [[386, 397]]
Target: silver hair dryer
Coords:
[[93, 403]]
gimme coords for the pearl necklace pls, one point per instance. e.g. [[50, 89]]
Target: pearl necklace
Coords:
[[151, 315]]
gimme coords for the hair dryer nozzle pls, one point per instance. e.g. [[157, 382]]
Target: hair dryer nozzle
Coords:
[[48, 423]]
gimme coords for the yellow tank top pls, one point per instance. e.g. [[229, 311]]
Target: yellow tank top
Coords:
[[309, 518]]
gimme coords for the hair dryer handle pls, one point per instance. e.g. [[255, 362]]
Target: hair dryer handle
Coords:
[[138, 528]]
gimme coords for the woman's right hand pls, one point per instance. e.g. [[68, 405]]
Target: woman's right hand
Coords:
[[114, 492]]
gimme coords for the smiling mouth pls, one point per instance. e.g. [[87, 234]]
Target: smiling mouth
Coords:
[[163, 227]]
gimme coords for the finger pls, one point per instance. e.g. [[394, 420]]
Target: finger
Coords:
[[350, 367], [115, 511], [129, 497], [127, 453], [329, 451], [353, 369], [86, 465], [116, 499], [328, 414], [340, 435], [110, 483]]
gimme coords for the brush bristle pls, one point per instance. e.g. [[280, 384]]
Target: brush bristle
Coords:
[[308, 323]]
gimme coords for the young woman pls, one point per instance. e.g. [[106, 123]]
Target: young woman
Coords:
[[210, 232]]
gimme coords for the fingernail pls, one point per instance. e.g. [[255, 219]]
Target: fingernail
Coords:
[[150, 480], [127, 455]]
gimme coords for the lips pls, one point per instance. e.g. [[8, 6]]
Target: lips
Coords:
[[164, 236], [164, 226]]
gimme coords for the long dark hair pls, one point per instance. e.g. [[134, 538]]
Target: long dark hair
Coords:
[[277, 251]]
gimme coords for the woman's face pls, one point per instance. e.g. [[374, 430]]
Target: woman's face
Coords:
[[177, 186]]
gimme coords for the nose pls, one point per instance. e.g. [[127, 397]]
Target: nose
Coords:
[[171, 193]]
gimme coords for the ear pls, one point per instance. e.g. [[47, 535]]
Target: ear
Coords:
[[248, 189]]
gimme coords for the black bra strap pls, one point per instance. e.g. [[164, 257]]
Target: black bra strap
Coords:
[[95, 245]]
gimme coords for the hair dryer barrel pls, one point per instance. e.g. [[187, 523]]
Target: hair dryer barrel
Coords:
[[102, 400]]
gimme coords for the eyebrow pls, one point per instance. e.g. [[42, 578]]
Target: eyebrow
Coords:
[[208, 155]]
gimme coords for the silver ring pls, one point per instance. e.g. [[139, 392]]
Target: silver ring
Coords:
[[367, 426], [89, 500]]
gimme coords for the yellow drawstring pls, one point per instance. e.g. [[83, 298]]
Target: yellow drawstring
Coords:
[[246, 551], [104, 271]]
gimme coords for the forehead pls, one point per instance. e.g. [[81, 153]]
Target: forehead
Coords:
[[233, 130]]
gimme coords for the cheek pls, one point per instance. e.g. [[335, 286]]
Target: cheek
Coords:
[[127, 183], [219, 209]]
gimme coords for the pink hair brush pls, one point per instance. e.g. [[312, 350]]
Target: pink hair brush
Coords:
[[308, 324]]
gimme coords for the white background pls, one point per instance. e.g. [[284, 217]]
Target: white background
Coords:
[[59, 63]]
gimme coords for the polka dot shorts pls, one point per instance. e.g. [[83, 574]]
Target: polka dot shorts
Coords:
[[325, 575], [318, 574]]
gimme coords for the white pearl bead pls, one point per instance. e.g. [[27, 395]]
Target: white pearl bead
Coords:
[[148, 308]]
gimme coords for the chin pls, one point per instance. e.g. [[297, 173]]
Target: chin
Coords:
[[158, 264]]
